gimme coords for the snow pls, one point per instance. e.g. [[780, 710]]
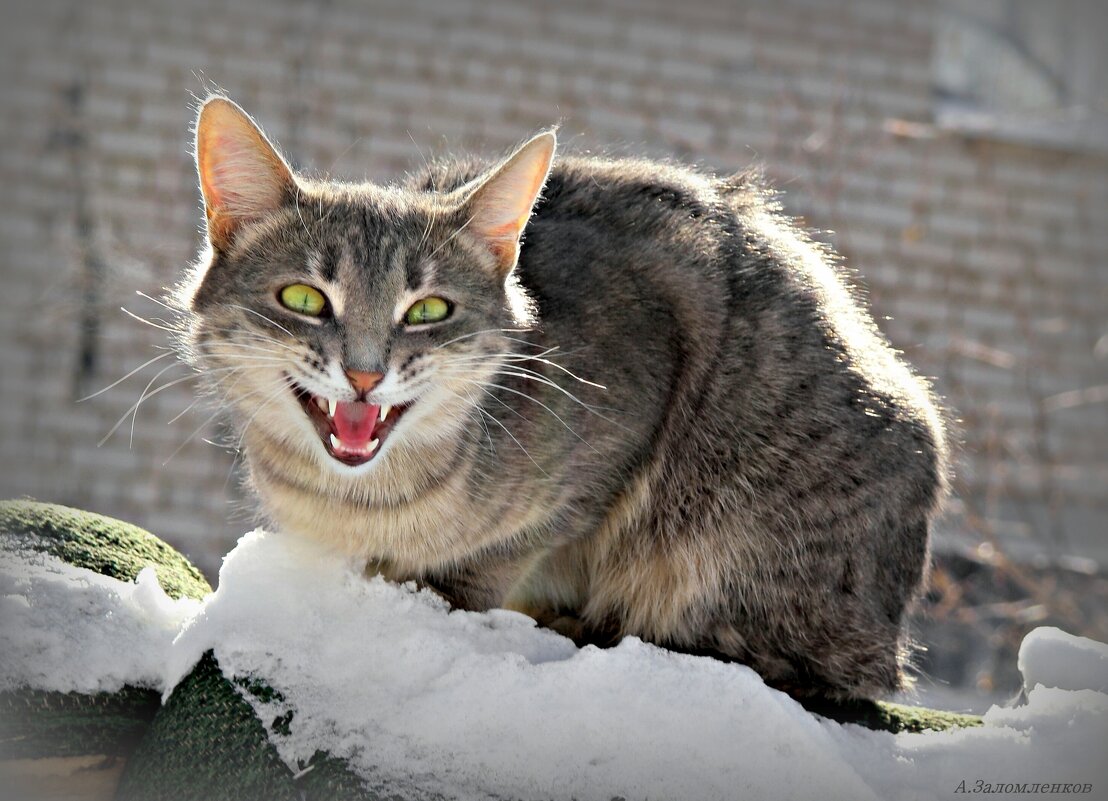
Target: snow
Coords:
[[468, 705], [459, 703], [1052, 658], [68, 628]]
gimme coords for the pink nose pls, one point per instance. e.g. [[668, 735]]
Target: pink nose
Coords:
[[363, 382]]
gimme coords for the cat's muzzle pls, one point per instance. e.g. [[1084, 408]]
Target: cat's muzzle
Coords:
[[352, 432]]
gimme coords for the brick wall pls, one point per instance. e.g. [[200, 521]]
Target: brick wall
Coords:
[[985, 260]]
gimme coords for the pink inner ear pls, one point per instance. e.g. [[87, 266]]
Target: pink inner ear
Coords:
[[504, 249], [503, 205], [242, 184], [211, 172], [503, 238], [241, 174], [508, 230]]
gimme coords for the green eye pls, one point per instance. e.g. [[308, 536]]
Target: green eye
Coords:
[[303, 299], [427, 310]]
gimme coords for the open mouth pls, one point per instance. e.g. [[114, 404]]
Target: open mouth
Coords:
[[352, 431]]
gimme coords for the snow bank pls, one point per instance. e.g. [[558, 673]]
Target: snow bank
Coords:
[[68, 628], [1052, 658], [462, 704], [425, 700], [487, 705]]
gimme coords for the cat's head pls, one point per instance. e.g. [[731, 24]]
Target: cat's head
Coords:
[[348, 325]]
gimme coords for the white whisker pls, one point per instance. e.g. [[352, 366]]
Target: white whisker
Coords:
[[147, 394], [256, 348], [135, 406], [215, 414], [510, 434], [283, 385], [188, 439], [259, 314], [181, 414], [481, 420], [569, 373], [300, 214], [530, 375], [161, 303], [427, 228], [121, 380], [540, 403], [144, 321], [450, 238], [492, 395], [485, 331], [523, 357]]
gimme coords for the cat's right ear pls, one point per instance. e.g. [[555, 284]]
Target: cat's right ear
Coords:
[[242, 176]]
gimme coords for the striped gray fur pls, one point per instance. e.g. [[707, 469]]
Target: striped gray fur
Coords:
[[721, 454]]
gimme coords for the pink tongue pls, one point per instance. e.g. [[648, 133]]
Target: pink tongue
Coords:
[[355, 422]]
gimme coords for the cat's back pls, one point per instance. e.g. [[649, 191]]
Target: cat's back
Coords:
[[614, 200], [687, 268], [754, 323]]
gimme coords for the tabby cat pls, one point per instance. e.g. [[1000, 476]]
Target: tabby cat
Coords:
[[623, 397]]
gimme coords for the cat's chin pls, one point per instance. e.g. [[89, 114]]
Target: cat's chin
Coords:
[[352, 433]]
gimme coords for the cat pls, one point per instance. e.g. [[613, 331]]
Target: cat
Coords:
[[620, 396]]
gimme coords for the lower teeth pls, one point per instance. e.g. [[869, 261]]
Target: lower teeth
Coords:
[[336, 444]]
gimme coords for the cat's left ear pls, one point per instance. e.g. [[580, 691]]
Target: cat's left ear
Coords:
[[501, 205], [242, 176]]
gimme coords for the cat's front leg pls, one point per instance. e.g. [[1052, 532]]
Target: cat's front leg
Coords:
[[568, 624]]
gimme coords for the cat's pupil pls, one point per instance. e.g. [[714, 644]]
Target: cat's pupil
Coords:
[[303, 299], [428, 310]]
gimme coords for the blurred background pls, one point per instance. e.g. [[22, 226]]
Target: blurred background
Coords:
[[955, 153]]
